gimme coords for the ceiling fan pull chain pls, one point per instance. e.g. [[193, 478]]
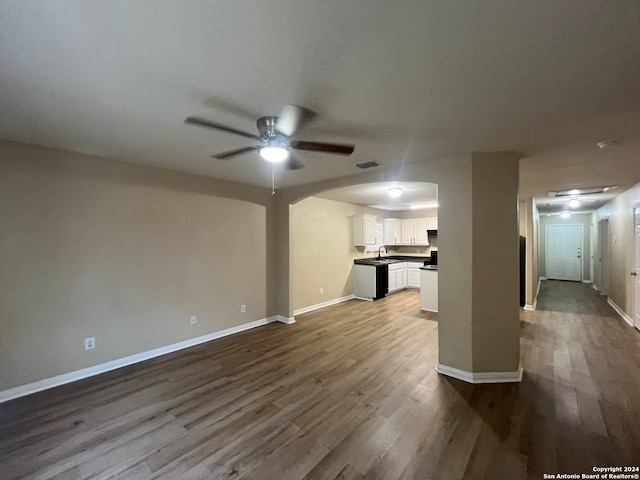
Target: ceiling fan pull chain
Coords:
[[273, 179]]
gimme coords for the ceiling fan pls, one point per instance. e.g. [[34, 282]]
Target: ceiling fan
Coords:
[[274, 137]]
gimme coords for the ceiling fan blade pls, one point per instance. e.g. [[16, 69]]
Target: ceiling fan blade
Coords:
[[340, 149], [203, 122], [237, 151], [293, 163], [292, 118]]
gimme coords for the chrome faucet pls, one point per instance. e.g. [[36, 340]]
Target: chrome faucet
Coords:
[[385, 251]]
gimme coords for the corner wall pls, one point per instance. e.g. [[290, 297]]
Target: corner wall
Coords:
[[322, 250], [529, 222], [123, 253]]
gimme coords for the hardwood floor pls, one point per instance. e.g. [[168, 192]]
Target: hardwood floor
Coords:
[[348, 392]]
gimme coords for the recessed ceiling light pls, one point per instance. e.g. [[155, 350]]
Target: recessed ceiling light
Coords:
[[574, 203], [565, 215], [395, 192]]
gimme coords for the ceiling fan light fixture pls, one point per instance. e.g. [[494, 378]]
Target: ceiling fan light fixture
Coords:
[[274, 154], [395, 192]]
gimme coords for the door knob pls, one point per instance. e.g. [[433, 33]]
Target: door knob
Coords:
[[634, 274]]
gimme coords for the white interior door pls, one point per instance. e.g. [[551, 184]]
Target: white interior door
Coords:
[[636, 269], [564, 252]]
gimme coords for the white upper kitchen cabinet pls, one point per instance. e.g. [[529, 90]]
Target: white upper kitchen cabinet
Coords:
[[432, 223], [392, 231], [420, 231], [364, 230], [406, 236], [411, 231], [414, 232]]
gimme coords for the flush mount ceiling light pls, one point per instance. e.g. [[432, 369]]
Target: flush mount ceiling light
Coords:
[[274, 154], [395, 192], [419, 206], [565, 215], [574, 203]]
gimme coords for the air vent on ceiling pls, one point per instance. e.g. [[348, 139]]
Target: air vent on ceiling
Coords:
[[368, 164]]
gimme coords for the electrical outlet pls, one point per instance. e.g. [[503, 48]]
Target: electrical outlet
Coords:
[[321, 291], [90, 343], [193, 319], [243, 308]]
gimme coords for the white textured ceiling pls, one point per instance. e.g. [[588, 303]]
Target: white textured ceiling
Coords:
[[404, 81]]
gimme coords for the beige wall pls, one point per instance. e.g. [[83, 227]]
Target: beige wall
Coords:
[[583, 219], [495, 273], [123, 253], [619, 211], [322, 250]]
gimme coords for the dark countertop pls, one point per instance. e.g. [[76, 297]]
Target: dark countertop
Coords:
[[389, 259], [430, 267]]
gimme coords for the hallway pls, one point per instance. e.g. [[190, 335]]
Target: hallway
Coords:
[[582, 380]]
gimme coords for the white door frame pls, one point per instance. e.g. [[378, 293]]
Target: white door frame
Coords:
[[603, 256], [635, 315], [546, 246]]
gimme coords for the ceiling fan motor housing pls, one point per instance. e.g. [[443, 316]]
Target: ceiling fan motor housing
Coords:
[[267, 127], [268, 133]]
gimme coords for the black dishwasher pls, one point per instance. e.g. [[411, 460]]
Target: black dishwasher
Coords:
[[382, 281]]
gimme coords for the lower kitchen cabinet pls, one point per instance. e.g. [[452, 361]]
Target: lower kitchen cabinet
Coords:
[[396, 276], [413, 274]]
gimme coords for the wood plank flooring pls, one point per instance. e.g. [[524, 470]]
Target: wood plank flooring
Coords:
[[348, 392]]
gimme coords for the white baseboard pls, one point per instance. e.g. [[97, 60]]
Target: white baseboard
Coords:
[[480, 377], [317, 306], [535, 299], [283, 319], [363, 298], [620, 312], [58, 380], [587, 281], [595, 287]]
